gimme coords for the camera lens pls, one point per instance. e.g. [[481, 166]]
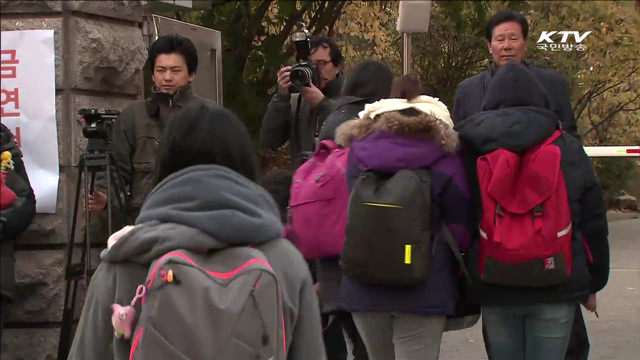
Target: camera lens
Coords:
[[300, 76]]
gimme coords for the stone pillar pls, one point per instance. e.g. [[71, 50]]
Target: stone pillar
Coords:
[[100, 53]]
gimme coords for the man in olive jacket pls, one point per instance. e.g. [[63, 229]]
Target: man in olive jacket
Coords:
[[298, 118], [137, 132], [15, 219]]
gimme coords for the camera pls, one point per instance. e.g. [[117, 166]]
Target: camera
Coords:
[[303, 73], [97, 125]]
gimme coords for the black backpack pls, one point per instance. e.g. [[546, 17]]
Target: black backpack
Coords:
[[388, 237]]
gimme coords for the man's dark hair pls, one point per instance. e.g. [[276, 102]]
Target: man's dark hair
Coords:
[[503, 17], [206, 134], [278, 184], [370, 79], [174, 44], [327, 42]]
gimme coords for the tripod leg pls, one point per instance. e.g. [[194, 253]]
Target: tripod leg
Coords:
[[86, 249], [109, 192], [64, 343], [118, 189]]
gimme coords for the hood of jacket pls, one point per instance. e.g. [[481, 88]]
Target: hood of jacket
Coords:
[[391, 141], [349, 100], [516, 113], [200, 208]]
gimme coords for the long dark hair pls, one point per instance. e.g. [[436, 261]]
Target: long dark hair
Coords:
[[206, 134], [370, 79]]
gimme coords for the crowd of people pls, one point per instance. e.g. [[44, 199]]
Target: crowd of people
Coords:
[[397, 221]]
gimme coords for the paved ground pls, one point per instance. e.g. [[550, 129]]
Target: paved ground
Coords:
[[616, 334]]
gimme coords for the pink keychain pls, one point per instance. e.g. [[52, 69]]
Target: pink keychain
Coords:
[[123, 316]]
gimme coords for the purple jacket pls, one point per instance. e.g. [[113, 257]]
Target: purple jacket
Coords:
[[385, 150]]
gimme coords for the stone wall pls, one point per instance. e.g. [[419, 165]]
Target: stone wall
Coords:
[[100, 52]]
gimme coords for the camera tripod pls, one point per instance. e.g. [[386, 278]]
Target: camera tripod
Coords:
[[95, 160]]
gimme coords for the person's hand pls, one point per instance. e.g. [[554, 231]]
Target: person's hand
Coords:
[[283, 80], [316, 287], [312, 95], [591, 304], [97, 201]]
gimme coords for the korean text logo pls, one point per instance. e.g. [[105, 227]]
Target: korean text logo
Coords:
[[546, 40]]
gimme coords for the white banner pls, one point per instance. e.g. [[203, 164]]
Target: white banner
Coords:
[[28, 107]]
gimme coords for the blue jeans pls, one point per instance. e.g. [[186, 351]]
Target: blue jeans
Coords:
[[531, 332]]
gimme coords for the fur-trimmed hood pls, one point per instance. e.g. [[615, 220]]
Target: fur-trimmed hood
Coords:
[[392, 141], [431, 121], [424, 126]]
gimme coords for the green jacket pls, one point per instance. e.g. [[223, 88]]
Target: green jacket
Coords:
[[136, 142]]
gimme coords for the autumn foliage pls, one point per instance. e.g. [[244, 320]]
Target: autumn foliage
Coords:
[[604, 80]]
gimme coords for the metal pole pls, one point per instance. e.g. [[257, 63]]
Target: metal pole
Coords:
[[406, 53], [612, 151]]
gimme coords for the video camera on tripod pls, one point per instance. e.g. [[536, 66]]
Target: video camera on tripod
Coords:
[[97, 127]]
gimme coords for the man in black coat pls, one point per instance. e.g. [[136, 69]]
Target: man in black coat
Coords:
[[506, 33], [15, 219]]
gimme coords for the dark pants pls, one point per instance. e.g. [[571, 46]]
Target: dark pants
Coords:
[[4, 313], [579, 343], [359, 350], [578, 348], [334, 342], [334, 337]]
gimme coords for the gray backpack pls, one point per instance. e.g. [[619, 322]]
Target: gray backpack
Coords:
[[226, 305], [388, 236]]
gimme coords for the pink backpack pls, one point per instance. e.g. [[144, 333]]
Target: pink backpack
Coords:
[[319, 201]]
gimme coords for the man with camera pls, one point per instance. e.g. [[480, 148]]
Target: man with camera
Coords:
[[306, 93], [137, 131]]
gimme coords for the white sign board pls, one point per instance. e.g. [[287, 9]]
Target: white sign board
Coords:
[[28, 107]]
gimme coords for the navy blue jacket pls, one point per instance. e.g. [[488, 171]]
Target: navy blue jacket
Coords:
[[517, 115]]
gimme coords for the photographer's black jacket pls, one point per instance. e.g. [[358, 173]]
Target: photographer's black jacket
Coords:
[[279, 125]]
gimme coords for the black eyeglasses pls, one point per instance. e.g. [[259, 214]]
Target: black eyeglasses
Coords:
[[321, 64]]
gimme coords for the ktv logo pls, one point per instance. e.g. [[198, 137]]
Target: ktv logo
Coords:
[[546, 41]]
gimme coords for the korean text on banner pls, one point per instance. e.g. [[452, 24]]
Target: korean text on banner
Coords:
[[28, 107]]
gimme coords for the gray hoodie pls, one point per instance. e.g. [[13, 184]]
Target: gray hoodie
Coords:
[[201, 208]]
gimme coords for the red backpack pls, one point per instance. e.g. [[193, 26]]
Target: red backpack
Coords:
[[526, 230]]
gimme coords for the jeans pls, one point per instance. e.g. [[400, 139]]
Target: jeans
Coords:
[[531, 332], [389, 336]]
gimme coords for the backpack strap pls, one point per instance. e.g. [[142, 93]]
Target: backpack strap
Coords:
[[327, 144], [553, 137], [456, 251]]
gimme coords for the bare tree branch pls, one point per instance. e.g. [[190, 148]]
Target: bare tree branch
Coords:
[[327, 17], [291, 22], [598, 89], [609, 118], [336, 16], [317, 15]]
